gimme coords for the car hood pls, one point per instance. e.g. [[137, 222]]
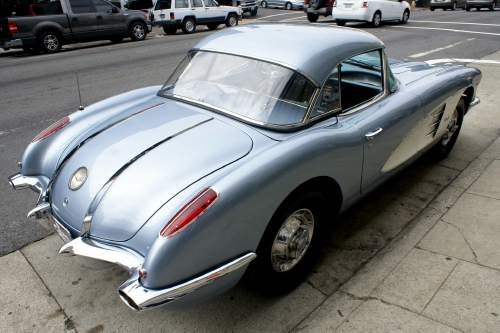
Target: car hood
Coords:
[[138, 162]]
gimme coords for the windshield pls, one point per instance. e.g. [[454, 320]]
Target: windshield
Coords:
[[249, 88]]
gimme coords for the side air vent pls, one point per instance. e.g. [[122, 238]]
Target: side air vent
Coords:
[[437, 116]]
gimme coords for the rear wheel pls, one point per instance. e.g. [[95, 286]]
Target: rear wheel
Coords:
[[376, 19], [263, 4], [340, 23], [50, 42], [253, 12], [231, 21], [312, 17], [137, 31], [169, 30], [188, 26], [290, 244], [288, 6], [448, 139], [406, 16]]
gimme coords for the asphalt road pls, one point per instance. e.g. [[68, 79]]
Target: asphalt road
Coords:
[[37, 90]]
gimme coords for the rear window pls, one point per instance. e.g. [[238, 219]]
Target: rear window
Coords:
[[163, 4]]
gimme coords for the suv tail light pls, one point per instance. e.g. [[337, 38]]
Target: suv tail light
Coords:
[[172, 16], [190, 212], [365, 4], [13, 27], [52, 129]]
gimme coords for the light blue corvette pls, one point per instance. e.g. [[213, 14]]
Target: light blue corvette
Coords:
[[258, 140]]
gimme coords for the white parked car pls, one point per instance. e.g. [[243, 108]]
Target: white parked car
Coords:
[[374, 11], [187, 14]]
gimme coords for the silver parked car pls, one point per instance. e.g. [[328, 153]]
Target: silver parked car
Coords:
[[287, 4], [239, 162], [447, 4]]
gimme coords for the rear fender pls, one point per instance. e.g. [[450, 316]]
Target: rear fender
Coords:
[[249, 194]]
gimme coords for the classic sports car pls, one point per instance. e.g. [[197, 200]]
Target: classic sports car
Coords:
[[257, 141]]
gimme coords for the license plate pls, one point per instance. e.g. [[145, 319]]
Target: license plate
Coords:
[[347, 6], [62, 231]]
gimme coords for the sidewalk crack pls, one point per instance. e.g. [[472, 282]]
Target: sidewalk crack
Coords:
[[465, 239]]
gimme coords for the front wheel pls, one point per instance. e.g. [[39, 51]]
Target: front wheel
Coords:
[[50, 42], [376, 19], [253, 12], [312, 17], [137, 31], [290, 244], [448, 139], [231, 21], [288, 6], [406, 16], [263, 4], [188, 26], [340, 23], [454, 6]]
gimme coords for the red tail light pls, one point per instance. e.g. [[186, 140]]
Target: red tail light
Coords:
[[172, 16], [13, 27], [52, 129], [365, 4], [190, 212]]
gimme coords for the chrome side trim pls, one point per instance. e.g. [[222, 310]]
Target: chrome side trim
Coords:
[[475, 102], [36, 183], [86, 247], [139, 298]]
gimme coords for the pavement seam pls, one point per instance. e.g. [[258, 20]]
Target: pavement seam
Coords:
[[447, 277], [482, 196], [67, 322], [465, 239]]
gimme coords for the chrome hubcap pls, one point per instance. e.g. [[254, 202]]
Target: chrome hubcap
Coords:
[[376, 20], [232, 21], [451, 128], [139, 31], [293, 240], [189, 26], [50, 42]]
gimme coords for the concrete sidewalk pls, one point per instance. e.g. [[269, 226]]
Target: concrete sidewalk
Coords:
[[420, 254]]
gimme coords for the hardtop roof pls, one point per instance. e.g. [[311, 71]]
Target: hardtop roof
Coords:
[[312, 49]]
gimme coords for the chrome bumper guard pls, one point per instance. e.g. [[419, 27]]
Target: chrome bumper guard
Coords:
[[36, 183], [136, 296], [475, 102]]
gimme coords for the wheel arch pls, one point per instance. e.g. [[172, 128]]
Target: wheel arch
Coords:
[[326, 185], [55, 29], [191, 17], [135, 21]]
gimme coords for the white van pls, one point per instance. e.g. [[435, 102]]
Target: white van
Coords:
[[374, 11]]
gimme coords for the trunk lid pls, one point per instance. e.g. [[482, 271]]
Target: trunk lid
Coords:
[[151, 157]]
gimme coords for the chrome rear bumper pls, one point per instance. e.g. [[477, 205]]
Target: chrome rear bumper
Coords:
[[36, 183], [136, 296]]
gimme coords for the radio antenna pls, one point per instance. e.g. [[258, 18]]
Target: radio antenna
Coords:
[[79, 95]]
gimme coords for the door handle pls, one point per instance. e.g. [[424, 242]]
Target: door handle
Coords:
[[371, 135]]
